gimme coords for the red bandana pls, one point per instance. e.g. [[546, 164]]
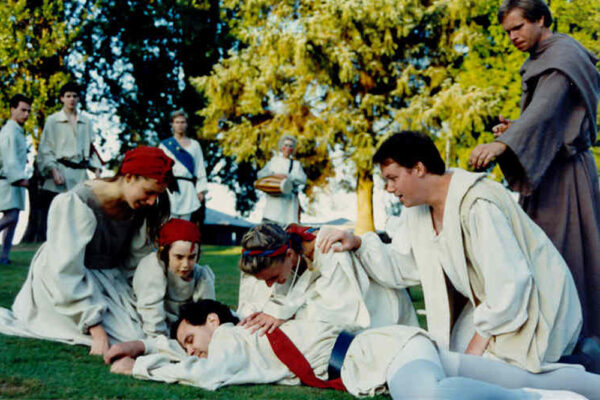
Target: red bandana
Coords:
[[305, 232], [178, 229], [150, 162]]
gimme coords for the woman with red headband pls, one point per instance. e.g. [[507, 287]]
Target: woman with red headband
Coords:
[[170, 277], [285, 276], [77, 290]]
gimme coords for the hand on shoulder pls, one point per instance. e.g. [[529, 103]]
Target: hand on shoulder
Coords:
[[345, 240]]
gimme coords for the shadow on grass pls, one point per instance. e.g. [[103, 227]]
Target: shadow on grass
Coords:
[[18, 388]]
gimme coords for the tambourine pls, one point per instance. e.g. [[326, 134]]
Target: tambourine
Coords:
[[274, 186]]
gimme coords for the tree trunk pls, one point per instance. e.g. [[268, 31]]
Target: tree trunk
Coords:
[[36, 225], [364, 194]]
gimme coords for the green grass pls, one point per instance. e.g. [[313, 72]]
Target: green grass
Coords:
[[41, 369]]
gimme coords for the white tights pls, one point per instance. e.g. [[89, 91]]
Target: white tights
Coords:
[[420, 371]]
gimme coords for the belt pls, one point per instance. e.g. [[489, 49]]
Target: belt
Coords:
[[184, 178], [71, 164], [338, 354]]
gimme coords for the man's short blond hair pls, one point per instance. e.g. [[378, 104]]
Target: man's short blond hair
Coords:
[[179, 113]]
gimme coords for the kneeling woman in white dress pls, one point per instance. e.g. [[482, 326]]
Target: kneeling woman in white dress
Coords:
[[401, 359], [78, 287], [167, 278], [285, 276]]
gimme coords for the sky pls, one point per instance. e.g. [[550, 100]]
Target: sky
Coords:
[[327, 205]]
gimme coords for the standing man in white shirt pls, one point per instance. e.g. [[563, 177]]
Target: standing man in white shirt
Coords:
[[284, 209], [13, 178], [189, 170], [65, 148]]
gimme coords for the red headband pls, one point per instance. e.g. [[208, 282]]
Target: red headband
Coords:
[[267, 253], [149, 162], [305, 232], [178, 229]]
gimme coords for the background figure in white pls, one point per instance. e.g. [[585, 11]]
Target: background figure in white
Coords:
[[403, 358], [78, 288], [13, 179], [189, 170], [65, 150], [284, 209], [281, 282], [167, 278]]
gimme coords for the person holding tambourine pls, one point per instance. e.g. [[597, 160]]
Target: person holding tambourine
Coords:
[[280, 179]]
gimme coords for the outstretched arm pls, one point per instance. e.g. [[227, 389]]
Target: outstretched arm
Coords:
[[131, 349]]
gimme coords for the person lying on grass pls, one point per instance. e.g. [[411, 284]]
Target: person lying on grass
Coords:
[[211, 351], [167, 278], [285, 276]]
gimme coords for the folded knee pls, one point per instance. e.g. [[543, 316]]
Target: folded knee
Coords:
[[415, 380]]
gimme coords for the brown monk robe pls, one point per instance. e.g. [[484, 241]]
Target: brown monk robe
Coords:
[[550, 163]]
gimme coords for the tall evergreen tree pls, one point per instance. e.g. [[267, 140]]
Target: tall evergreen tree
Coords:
[[138, 57], [35, 37], [343, 75], [35, 40]]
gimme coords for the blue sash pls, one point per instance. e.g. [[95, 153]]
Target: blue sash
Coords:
[[180, 154]]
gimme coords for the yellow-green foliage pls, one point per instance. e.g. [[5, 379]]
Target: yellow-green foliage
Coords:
[[345, 74], [33, 43]]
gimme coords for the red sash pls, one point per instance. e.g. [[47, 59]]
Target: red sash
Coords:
[[289, 354]]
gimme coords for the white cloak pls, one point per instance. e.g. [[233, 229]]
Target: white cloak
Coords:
[[13, 160], [518, 287], [236, 357], [186, 200], [62, 298], [61, 141], [283, 209], [337, 290], [160, 293]]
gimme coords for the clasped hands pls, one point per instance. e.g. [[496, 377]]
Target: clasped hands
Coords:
[[122, 356]]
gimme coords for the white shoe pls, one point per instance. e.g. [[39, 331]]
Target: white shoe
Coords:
[[556, 394]]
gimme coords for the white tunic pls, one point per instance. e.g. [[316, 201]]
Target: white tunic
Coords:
[[520, 293], [63, 297], [337, 290], [60, 141], [13, 160], [159, 294], [236, 357], [186, 200], [283, 209]]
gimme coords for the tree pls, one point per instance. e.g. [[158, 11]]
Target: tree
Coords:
[[137, 59], [343, 75], [35, 38], [340, 76]]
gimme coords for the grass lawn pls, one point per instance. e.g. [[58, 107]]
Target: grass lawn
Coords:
[[41, 369]]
